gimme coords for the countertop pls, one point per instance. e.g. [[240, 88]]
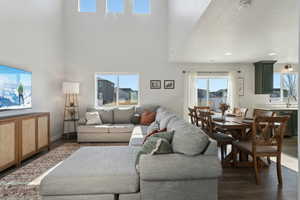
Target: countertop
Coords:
[[275, 108]]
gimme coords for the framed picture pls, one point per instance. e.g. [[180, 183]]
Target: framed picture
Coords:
[[155, 84], [169, 84], [240, 88]]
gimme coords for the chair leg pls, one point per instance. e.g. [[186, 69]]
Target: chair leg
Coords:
[[257, 178], [279, 175], [234, 153], [269, 160], [222, 152]]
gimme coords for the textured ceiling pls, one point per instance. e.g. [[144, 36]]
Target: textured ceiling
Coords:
[[249, 33]]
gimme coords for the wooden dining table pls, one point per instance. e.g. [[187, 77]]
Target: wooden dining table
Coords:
[[240, 129]]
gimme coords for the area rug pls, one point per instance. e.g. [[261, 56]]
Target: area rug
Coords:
[[20, 184]]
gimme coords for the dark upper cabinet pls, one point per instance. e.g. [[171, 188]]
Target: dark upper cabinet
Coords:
[[264, 77]]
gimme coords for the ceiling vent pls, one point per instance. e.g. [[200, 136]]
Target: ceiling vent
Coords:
[[245, 3]]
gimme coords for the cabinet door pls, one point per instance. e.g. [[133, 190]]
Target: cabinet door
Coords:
[[43, 132], [267, 79], [8, 144], [28, 136]]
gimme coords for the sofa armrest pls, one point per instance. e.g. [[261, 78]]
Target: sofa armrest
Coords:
[[212, 148], [168, 167]]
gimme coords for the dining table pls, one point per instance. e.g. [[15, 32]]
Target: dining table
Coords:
[[240, 129]]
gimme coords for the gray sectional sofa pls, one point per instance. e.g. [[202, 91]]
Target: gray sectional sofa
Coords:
[[117, 125], [110, 173]]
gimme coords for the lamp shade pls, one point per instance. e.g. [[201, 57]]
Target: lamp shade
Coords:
[[71, 88]]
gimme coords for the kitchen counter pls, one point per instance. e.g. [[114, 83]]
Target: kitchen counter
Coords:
[[276, 108], [292, 126]]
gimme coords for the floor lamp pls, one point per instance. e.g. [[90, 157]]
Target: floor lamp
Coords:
[[71, 111]]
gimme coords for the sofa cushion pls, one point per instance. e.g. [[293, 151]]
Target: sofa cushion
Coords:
[[159, 113], [138, 135], [154, 126], [141, 109], [166, 117], [188, 139], [94, 128], [94, 170], [121, 128], [107, 116], [123, 115]]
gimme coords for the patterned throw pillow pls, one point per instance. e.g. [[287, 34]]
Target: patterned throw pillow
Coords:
[[165, 135], [153, 133], [153, 146]]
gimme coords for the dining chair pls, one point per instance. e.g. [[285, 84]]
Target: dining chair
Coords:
[[263, 113], [266, 141], [240, 112], [193, 117], [207, 126]]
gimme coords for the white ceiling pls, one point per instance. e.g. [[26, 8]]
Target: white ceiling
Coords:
[[248, 33]]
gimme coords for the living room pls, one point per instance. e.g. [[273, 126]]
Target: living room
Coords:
[[154, 48]]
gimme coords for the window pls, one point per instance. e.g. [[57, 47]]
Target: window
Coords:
[[117, 89], [284, 87], [141, 7], [87, 5], [212, 91], [115, 6]]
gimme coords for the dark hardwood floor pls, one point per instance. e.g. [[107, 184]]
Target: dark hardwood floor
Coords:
[[239, 184], [236, 183]]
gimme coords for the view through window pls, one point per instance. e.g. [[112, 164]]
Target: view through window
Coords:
[[141, 6], [212, 91], [117, 89], [87, 5], [285, 87]]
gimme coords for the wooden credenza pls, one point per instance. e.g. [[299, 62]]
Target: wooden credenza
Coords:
[[23, 136]]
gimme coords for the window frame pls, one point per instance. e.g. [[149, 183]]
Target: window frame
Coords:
[[208, 85], [117, 92], [78, 9], [145, 14], [114, 13], [282, 99]]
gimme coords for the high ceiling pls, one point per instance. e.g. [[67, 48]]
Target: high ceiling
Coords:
[[225, 31]]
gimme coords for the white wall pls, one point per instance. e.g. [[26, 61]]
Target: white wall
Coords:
[[31, 39], [96, 42]]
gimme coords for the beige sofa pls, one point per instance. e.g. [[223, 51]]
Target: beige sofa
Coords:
[[118, 125]]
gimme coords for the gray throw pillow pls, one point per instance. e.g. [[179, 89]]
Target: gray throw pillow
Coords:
[[189, 140], [123, 116], [107, 116], [153, 146]]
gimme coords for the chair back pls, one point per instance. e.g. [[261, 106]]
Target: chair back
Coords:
[[192, 114], [206, 122], [263, 113], [202, 108], [240, 112], [268, 131]]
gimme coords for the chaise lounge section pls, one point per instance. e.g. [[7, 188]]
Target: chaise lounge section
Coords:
[[110, 173]]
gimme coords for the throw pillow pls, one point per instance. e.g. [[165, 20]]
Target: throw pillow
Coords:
[[93, 118], [153, 146], [147, 118], [165, 135], [153, 133]]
